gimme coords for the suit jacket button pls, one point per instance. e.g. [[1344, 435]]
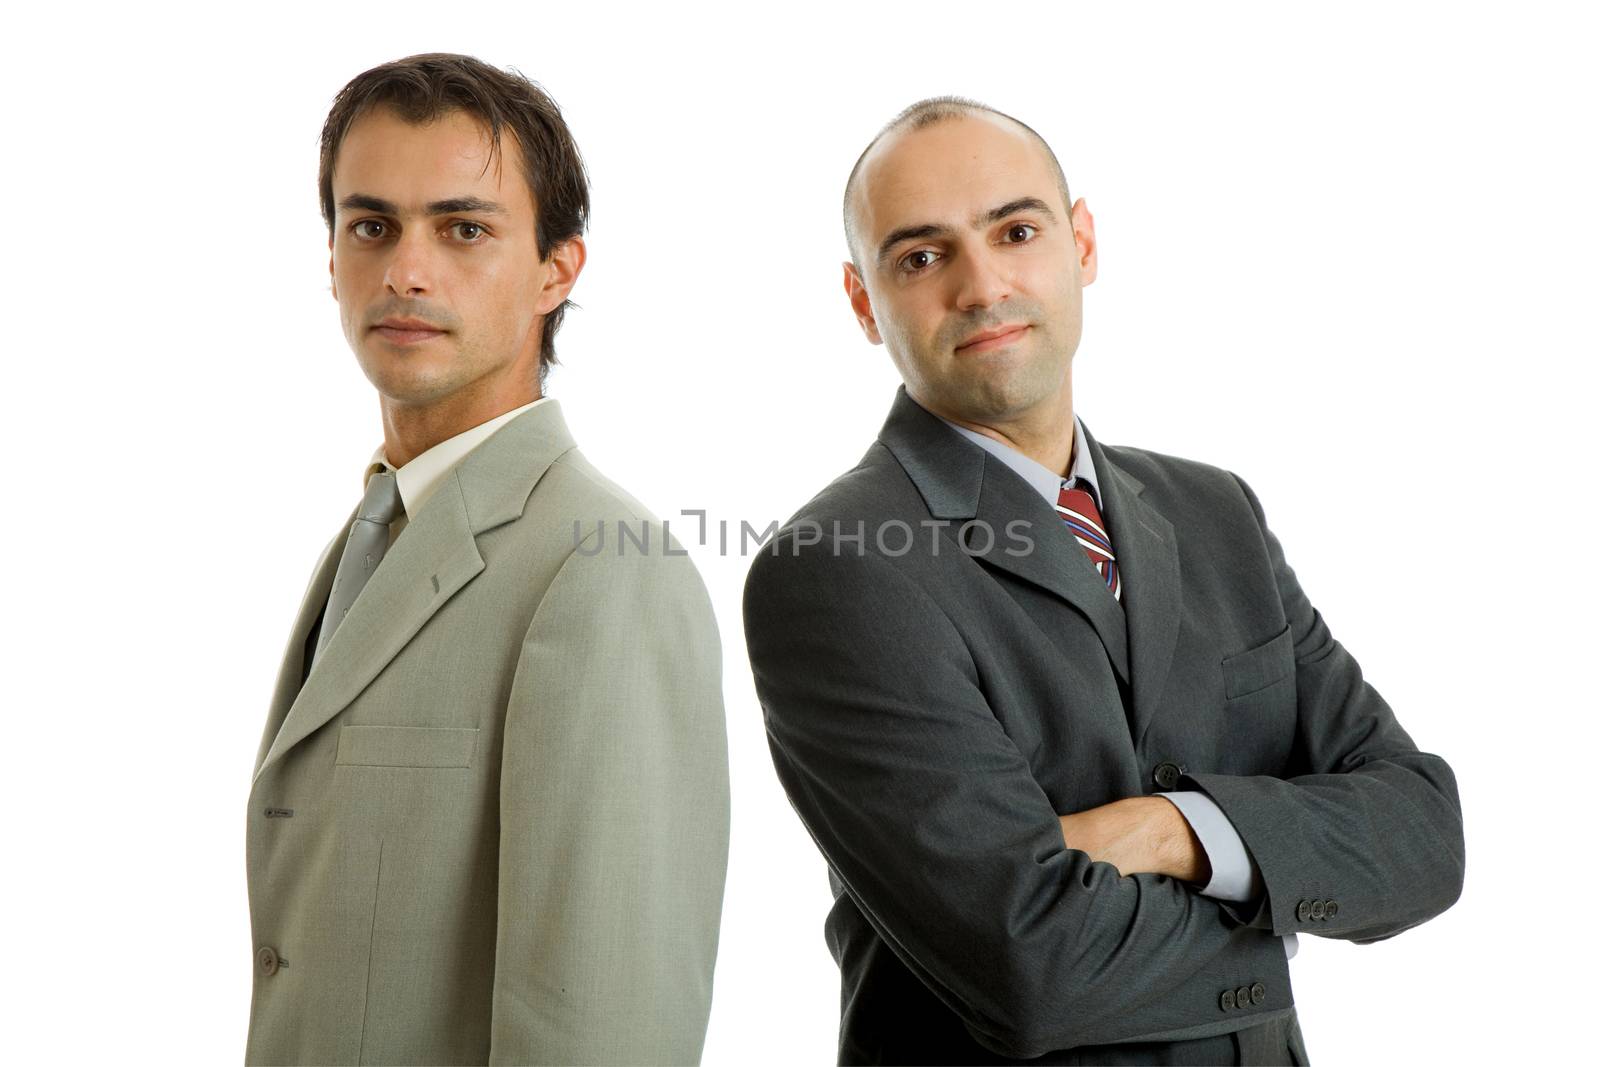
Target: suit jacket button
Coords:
[[1258, 993], [1331, 909], [1241, 996], [1166, 775], [267, 961], [1227, 1000], [1302, 911], [1318, 909]]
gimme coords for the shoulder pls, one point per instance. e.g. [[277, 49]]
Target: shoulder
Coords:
[[579, 487], [616, 544], [1187, 490], [876, 488], [1172, 475], [831, 546]]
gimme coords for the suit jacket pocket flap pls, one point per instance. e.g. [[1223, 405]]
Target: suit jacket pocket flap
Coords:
[[406, 746], [1256, 668]]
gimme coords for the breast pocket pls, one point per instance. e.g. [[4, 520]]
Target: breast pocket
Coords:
[[1257, 669], [406, 746]]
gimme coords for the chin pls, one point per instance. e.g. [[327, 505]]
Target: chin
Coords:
[[405, 385], [997, 389]]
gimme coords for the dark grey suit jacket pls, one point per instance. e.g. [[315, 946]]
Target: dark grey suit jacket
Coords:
[[931, 711]]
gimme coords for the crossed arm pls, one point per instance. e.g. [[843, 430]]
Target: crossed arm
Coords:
[[1375, 797], [1375, 825], [1139, 835], [929, 816]]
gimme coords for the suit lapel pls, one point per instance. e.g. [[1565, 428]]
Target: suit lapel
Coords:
[[1146, 545], [960, 481], [433, 558], [294, 656]]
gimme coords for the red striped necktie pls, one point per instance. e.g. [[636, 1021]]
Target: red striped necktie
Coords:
[[1076, 507]]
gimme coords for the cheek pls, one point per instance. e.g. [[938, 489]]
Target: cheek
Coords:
[[506, 288], [1069, 305], [349, 287], [914, 318], [1056, 279], [349, 309], [894, 327]]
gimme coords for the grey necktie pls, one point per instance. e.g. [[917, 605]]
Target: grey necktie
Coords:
[[363, 551]]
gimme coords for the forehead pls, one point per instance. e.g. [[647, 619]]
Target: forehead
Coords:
[[949, 171], [384, 155]]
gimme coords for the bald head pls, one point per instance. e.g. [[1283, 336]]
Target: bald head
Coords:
[[919, 116]]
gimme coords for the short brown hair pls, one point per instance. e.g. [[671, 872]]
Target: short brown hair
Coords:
[[423, 88]]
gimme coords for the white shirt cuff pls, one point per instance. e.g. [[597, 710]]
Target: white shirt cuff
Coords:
[[1234, 875]]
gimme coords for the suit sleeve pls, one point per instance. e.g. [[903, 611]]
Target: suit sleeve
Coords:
[[1369, 843], [613, 817], [928, 815]]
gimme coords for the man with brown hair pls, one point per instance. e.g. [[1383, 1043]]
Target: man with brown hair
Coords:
[[490, 809]]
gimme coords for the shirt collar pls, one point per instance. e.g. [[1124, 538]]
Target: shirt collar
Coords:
[[1046, 482], [419, 478]]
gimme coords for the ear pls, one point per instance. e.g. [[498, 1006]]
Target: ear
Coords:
[[566, 263], [333, 286], [856, 289], [1083, 233]]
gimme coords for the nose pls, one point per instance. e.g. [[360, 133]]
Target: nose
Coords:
[[409, 271], [980, 281]]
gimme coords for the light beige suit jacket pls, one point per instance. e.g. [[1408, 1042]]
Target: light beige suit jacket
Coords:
[[492, 825]]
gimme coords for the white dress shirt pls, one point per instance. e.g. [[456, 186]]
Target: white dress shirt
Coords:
[[423, 474]]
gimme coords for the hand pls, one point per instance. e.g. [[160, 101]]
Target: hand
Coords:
[[1139, 835]]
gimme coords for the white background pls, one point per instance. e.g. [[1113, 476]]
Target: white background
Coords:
[[1348, 251]]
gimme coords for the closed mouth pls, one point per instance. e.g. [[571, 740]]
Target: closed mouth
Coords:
[[1003, 333]]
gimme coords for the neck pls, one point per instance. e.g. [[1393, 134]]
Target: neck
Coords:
[[1043, 433], [410, 430]]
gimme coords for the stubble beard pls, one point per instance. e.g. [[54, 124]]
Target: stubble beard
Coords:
[[993, 386]]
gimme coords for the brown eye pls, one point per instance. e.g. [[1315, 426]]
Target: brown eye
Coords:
[[1020, 232], [356, 229], [462, 227], [917, 260]]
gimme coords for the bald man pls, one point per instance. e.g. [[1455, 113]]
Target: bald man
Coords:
[[1080, 755]]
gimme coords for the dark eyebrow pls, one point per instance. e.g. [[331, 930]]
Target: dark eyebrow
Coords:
[[912, 233], [453, 206], [1022, 203], [908, 233]]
